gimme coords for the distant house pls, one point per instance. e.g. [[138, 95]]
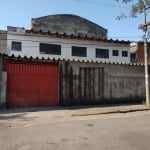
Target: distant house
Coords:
[[67, 60], [137, 52]]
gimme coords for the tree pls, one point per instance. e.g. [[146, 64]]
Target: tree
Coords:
[[138, 7]]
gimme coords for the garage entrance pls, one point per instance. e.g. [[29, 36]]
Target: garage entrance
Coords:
[[31, 84]]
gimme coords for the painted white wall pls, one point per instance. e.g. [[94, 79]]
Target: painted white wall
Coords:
[[30, 47]]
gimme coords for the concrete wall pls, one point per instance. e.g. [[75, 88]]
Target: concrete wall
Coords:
[[69, 24], [123, 82], [3, 90], [3, 80], [30, 47], [3, 41], [91, 83]]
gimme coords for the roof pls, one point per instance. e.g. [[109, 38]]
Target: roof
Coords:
[[72, 36], [37, 59]]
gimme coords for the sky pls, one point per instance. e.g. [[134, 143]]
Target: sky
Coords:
[[18, 13]]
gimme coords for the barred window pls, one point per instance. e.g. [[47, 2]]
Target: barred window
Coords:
[[53, 49], [79, 51], [115, 53], [16, 46], [124, 53], [102, 53]]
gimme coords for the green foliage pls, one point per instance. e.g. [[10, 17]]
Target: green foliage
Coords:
[[137, 7], [125, 1]]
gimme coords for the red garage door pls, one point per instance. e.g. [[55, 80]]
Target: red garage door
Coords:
[[30, 85]]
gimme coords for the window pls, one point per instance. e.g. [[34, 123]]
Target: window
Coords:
[[115, 53], [50, 49], [133, 57], [102, 53], [124, 53], [79, 51], [16, 46]]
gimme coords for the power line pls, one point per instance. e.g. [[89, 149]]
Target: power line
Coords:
[[103, 4], [126, 37]]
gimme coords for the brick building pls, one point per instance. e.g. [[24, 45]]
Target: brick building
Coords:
[[137, 52]]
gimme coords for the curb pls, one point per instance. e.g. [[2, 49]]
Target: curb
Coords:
[[111, 112]]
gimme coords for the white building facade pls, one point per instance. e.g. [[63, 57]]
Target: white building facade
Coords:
[[27, 43]]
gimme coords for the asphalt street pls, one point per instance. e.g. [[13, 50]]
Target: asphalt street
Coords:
[[119, 131]]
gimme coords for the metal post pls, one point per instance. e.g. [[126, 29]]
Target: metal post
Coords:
[[146, 60]]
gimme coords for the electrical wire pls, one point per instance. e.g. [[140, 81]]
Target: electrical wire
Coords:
[[102, 4]]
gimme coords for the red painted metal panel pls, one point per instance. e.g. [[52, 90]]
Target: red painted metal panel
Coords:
[[30, 85]]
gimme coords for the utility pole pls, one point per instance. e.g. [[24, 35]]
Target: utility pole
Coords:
[[144, 27]]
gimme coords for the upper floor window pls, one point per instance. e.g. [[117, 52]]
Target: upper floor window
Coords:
[[79, 51], [133, 57], [124, 53], [16, 46], [102, 53], [53, 49], [115, 53]]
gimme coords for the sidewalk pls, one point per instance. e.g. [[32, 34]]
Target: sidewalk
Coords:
[[24, 116]]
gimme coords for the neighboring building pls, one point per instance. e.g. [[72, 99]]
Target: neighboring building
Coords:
[[137, 52], [67, 60], [69, 24]]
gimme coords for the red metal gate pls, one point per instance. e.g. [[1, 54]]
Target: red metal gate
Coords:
[[31, 84]]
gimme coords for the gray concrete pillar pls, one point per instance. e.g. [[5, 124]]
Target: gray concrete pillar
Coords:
[[3, 90]]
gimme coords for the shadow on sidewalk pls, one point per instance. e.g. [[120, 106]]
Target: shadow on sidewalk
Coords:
[[11, 114], [54, 108]]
